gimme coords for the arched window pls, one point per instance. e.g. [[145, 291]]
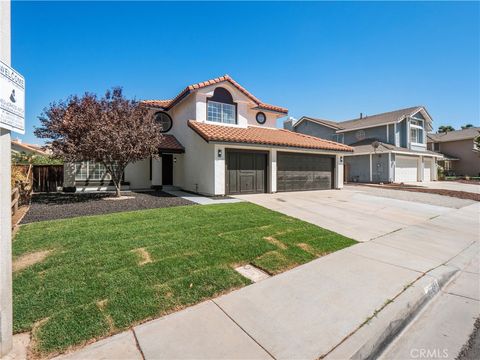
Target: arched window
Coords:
[[221, 108]]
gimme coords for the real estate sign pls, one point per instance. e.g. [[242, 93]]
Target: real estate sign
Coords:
[[12, 99]]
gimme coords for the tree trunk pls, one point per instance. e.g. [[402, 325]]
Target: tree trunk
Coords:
[[117, 190]]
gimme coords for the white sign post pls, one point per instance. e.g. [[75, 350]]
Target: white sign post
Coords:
[[12, 99]]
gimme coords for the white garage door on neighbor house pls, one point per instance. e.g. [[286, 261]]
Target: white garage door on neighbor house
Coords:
[[427, 170], [405, 169]]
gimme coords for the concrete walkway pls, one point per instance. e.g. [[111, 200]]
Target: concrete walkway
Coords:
[[199, 199], [329, 307]]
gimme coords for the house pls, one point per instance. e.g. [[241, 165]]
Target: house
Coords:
[[388, 147], [220, 139], [20, 148], [461, 154]]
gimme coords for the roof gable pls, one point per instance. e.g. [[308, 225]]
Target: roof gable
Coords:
[[464, 134], [168, 104]]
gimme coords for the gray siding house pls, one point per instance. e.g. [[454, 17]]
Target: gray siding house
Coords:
[[461, 154], [388, 147]]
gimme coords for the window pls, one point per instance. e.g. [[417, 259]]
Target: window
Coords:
[[416, 135], [223, 113], [164, 120], [261, 118], [90, 170], [436, 146], [221, 108]]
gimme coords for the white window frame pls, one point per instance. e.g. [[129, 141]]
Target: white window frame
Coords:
[[222, 113], [87, 175]]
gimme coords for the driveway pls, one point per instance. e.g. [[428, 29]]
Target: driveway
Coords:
[[357, 212]]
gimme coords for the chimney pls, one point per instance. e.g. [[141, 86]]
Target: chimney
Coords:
[[361, 115], [288, 124]]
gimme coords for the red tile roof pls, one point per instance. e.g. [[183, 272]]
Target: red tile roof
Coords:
[[263, 136], [170, 143], [168, 104]]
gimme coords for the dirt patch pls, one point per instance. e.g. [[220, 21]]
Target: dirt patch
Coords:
[[275, 242], [27, 260], [307, 248], [102, 304], [452, 193], [144, 254]]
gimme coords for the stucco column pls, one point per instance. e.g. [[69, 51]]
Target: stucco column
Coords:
[[339, 160], [219, 169], [420, 168], [5, 203], [156, 171], [273, 170]]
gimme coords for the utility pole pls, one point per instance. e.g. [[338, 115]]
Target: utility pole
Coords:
[[5, 202]]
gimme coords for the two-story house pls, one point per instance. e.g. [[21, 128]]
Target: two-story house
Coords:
[[388, 147], [461, 153], [220, 139]]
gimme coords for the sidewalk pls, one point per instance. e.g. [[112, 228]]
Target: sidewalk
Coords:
[[316, 309]]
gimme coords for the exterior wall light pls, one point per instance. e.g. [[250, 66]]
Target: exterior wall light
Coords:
[[219, 153]]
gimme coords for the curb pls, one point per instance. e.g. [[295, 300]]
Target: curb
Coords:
[[370, 340]]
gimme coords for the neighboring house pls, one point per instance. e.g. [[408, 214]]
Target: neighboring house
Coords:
[[220, 139], [462, 156], [20, 148], [388, 147]]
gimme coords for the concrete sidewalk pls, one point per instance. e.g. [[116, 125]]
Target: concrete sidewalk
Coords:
[[315, 309]]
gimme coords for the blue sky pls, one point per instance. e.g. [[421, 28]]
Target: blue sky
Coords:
[[329, 60]]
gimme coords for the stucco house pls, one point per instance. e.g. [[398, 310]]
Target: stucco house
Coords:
[[461, 154], [388, 147], [20, 148], [220, 139]]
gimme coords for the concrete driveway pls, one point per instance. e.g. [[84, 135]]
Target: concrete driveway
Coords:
[[352, 212]]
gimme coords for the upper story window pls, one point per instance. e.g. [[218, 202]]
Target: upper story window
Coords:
[[436, 146], [416, 135], [221, 108], [416, 131]]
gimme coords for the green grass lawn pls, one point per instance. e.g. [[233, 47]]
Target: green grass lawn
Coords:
[[106, 273]]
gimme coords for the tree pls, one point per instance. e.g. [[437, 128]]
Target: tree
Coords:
[[467, 126], [111, 130], [445, 128]]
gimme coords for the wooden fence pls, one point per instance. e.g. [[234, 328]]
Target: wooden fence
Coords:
[[47, 178], [44, 178]]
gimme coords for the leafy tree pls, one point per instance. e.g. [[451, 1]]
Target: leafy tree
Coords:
[[467, 126], [23, 158], [445, 128], [111, 130]]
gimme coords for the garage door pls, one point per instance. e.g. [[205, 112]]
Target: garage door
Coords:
[[304, 172], [405, 169], [246, 172], [427, 166]]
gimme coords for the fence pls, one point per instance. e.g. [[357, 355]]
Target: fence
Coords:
[[44, 178], [47, 178]]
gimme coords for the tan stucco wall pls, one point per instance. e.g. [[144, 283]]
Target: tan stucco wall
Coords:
[[469, 160]]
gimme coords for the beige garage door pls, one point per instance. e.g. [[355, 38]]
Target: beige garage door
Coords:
[[405, 169]]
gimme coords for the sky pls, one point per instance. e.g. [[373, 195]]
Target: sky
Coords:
[[320, 59]]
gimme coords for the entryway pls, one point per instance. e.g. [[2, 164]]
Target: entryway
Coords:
[[167, 169]]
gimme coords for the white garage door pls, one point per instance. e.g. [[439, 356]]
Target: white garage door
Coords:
[[427, 169], [405, 169]]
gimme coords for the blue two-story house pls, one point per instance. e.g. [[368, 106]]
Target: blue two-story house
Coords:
[[388, 147]]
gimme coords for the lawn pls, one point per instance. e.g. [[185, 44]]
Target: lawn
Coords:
[[98, 275]]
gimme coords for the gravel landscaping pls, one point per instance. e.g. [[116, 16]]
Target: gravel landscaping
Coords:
[[62, 206]]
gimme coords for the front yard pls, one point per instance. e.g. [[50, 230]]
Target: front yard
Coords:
[[85, 278]]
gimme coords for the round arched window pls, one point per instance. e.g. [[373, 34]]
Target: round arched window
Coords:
[[164, 120], [261, 118]]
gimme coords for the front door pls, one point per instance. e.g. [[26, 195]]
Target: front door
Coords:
[[167, 169]]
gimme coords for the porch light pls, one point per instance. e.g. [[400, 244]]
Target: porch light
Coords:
[[219, 153]]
